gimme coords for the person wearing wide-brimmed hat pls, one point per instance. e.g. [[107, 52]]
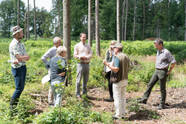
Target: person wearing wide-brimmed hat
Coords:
[[119, 78], [18, 60]]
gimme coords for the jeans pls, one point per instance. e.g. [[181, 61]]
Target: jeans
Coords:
[[57, 92], [19, 78]]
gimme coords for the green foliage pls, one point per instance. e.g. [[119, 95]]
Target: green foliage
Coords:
[[74, 112]]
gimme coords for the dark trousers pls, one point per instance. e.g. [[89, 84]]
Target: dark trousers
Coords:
[[109, 84], [160, 75], [19, 78]]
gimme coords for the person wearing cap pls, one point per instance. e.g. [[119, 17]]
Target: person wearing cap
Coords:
[[108, 58], [119, 78], [45, 58], [163, 59], [18, 58], [83, 53], [58, 72]]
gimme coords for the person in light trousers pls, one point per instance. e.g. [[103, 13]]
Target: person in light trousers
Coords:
[[119, 78]]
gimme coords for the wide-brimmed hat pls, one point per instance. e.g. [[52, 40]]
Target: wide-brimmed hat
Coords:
[[118, 45], [16, 29]]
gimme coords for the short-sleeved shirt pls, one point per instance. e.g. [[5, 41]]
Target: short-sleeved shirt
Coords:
[[48, 55], [16, 48], [164, 58], [57, 66]]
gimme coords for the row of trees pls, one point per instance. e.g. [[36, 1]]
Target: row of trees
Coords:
[[113, 19]]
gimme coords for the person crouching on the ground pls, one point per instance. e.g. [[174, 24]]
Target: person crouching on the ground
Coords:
[[18, 58], [108, 58], [58, 72], [83, 53], [119, 78], [163, 60], [48, 55]]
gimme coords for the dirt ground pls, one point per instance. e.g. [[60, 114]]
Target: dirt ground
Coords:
[[175, 112]]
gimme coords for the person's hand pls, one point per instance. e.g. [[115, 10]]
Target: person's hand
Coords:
[[105, 62], [15, 62], [168, 73], [62, 74]]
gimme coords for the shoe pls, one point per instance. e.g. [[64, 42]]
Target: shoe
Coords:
[[116, 117], [78, 97], [111, 99], [142, 101], [160, 107]]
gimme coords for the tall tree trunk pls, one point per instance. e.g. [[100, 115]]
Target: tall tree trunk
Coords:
[[126, 16], [168, 21], [97, 28], [59, 17], [25, 25], [35, 20], [66, 27], [28, 26], [123, 19], [185, 20], [18, 12], [118, 21], [89, 23], [158, 29], [66, 34], [143, 32], [134, 25]]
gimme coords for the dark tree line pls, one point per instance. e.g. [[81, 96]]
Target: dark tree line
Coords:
[[139, 19]]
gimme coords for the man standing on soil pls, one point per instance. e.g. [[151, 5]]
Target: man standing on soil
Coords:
[[48, 55], [163, 59], [18, 60], [83, 53], [119, 78]]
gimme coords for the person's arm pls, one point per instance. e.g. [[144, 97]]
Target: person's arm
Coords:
[[115, 67], [172, 61], [76, 54], [22, 58], [89, 53], [171, 67], [45, 57]]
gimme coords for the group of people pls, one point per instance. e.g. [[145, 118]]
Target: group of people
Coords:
[[116, 68]]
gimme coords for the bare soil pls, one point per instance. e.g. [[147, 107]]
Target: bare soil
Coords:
[[175, 112]]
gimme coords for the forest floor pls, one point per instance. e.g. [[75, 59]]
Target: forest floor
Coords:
[[175, 112]]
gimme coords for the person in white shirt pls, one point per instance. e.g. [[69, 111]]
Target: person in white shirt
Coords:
[[83, 53]]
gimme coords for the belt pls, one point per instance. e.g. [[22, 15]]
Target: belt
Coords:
[[162, 68], [84, 62]]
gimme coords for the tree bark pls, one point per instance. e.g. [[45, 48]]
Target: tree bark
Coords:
[[97, 28], [66, 27], [35, 21], [89, 23], [28, 26], [143, 32], [18, 12], [66, 35], [134, 25], [185, 20], [59, 18], [118, 21], [126, 16], [123, 19], [25, 25]]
